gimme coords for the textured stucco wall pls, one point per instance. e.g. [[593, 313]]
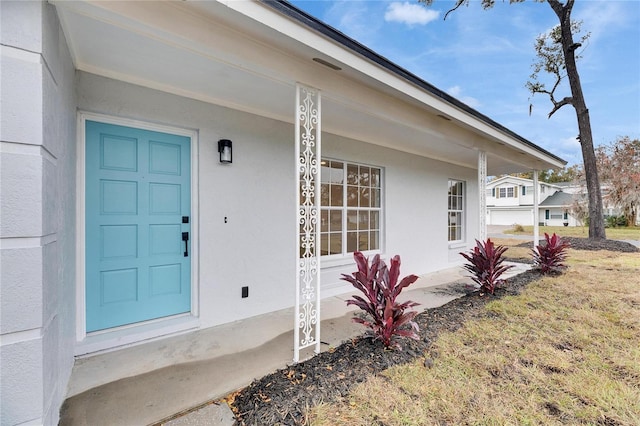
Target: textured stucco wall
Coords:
[[256, 193], [37, 222]]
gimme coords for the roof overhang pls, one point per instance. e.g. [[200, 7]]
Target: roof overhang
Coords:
[[249, 55]]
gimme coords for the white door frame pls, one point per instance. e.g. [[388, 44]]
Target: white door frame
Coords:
[[133, 333]]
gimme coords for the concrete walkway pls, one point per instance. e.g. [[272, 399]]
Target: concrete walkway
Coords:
[[174, 381]]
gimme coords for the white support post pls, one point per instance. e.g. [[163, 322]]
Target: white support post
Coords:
[[482, 188], [536, 210], [308, 155]]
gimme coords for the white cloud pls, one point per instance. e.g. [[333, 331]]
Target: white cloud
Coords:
[[410, 14], [456, 92], [354, 18]]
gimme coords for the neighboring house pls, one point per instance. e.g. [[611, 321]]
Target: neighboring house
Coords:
[[555, 210], [122, 220], [510, 201]]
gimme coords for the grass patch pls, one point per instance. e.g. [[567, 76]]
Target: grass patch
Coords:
[[567, 350], [629, 233]]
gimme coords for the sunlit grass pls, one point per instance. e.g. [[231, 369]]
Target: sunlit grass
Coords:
[[565, 351], [629, 233]]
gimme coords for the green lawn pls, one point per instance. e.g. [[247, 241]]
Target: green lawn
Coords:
[[630, 233], [565, 351]]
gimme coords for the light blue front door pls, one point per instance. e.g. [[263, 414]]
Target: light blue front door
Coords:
[[138, 225]]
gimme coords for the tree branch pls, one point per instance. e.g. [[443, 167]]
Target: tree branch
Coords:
[[557, 105], [458, 4]]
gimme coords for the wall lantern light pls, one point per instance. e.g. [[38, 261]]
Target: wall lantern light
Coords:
[[224, 148]]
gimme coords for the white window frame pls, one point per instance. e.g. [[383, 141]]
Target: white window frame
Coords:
[[344, 208], [462, 210]]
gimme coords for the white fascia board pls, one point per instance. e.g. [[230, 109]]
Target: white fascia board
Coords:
[[509, 179], [289, 27]]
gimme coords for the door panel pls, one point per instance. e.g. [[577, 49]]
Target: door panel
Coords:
[[137, 191]]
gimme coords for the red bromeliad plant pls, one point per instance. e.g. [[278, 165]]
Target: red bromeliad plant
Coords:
[[485, 263], [548, 257], [380, 287]]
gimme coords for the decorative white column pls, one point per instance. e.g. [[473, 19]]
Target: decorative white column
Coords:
[[482, 196], [308, 153], [536, 210]]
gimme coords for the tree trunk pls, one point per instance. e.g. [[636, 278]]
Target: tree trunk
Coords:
[[596, 217]]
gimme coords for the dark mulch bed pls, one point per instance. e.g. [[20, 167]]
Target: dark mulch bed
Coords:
[[283, 397], [610, 245]]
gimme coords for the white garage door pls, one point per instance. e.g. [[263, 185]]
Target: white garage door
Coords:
[[510, 217]]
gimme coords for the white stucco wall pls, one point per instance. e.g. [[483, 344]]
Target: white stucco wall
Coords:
[[256, 247], [37, 154]]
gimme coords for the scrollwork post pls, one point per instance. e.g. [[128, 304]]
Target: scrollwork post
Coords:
[[307, 152]]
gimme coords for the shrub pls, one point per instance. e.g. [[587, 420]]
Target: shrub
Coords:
[[380, 286], [616, 221], [485, 263], [518, 228], [548, 256]]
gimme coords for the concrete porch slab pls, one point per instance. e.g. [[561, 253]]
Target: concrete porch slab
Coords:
[[150, 382]]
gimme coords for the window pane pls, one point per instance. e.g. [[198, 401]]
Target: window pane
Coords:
[[364, 220], [363, 240], [364, 176], [375, 177], [453, 219], [336, 220], [336, 244], [374, 240], [352, 220], [325, 172], [375, 198], [352, 196], [374, 221], [352, 174], [337, 194], [352, 242], [324, 221], [324, 194], [364, 197], [324, 244], [337, 172]]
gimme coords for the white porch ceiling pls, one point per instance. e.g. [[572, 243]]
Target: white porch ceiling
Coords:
[[246, 56]]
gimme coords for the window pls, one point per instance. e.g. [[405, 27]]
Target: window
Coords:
[[510, 192], [456, 210], [547, 213], [524, 190], [507, 192], [350, 213]]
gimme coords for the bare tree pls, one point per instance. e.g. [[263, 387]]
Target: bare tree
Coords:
[[620, 166], [557, 55]]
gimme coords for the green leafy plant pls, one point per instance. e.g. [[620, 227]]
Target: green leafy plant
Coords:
[[381, 287], [485, 263], [548, 256]]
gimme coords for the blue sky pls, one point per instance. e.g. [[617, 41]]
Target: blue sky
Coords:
[[484, 59]]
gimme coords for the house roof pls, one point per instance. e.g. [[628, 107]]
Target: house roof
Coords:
[[519, 181], [288, 9], [249, 56], [558, 199]]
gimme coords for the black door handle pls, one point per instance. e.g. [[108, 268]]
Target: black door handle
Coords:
[[185, 238]]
